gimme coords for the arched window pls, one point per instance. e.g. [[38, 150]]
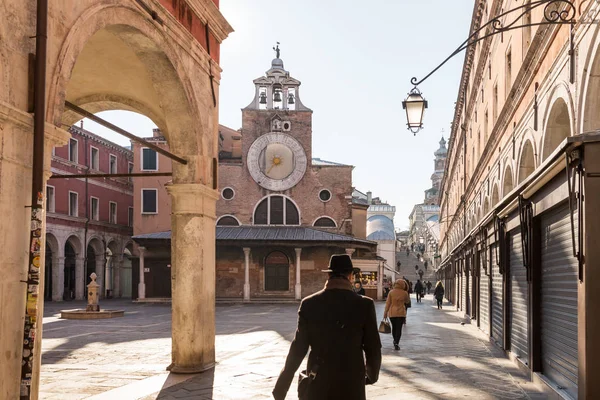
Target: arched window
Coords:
[[276, 210], [228, 220], [325, 222]]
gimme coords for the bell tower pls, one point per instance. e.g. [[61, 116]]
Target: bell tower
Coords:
[[277, 90]]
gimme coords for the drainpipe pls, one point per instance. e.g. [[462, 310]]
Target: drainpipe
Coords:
[[29, 356]]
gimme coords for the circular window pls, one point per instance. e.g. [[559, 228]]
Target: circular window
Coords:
[[228, 193], [325, 195]]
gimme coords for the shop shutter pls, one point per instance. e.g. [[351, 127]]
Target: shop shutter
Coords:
[[497, 313], [519, 299], [559, 281], [463, 291], [484, 297]]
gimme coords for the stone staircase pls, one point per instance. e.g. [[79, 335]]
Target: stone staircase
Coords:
[[408, 270]]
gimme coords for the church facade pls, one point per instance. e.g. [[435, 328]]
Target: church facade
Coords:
[[281, 213]]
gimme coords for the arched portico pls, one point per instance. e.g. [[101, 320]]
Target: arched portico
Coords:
[[558, 127], [507, 180], [115, 57], [526, 161], [105, 55]]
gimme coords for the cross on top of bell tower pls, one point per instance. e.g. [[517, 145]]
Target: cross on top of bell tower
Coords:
[[277, 90]]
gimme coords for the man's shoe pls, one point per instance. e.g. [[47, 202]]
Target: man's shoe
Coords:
[[396, 347]]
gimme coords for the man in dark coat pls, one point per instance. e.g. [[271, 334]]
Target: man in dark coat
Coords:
[[338, 325]]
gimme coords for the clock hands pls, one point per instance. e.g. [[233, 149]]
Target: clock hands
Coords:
[[277, 160]]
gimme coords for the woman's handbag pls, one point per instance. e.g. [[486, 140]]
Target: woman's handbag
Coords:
[[384, 327], [408, 305]]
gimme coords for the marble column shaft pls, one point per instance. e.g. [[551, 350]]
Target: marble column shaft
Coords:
[[193, 252]]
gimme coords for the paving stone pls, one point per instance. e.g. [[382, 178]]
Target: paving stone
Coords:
[[440, 358]]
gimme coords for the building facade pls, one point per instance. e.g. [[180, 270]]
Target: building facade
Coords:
[[281, 213], [424, 225], [519, 208], [89, 221]]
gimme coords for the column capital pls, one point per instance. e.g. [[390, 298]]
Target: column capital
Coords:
[[350, 252], [194, 199], [246, 251], [141, 249], [298, 251]]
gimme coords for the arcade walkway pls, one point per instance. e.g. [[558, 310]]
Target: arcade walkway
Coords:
[[126, 358]]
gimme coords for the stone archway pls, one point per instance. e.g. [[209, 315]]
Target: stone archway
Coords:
[[558, 127], [115, 57], [495, 195], [526, 162], [507, 181], [590, 99], [72, 272], [94, 262], [106, 55]]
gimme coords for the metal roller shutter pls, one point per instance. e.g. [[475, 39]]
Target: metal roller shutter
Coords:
[[497, 311], [519, 299], [559, 281], [463, 291], [484, 298]]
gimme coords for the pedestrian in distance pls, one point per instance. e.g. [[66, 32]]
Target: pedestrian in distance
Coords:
[[438, 293], [429, 287], [340, 329], [407, 252], [395, 309], [358, 288], [419, 290]]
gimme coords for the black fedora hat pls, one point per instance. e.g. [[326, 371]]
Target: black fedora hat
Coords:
[[340, 263]]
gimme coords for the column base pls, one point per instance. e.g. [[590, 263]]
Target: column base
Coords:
[[246, 292], [141, 290], [298, 290], [195, 369]]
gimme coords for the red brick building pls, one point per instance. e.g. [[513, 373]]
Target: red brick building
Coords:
[[281, 213], [89, 221]]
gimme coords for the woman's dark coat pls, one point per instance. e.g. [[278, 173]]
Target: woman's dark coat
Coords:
[[338, 325]]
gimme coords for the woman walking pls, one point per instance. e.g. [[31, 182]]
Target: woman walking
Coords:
[[438, 293], [395, 308]]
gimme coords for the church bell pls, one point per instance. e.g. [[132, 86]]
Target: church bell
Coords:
[[291, 98], [263, 98], [277, 97]]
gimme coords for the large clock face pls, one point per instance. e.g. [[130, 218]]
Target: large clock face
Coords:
[[276, 161]]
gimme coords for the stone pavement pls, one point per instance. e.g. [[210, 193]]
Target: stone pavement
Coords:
[[125, 358]]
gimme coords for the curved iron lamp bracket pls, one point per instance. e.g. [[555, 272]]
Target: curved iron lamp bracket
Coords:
[[556, 12]]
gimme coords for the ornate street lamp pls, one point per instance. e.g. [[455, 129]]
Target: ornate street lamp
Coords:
[[415, 106], [556, 12]]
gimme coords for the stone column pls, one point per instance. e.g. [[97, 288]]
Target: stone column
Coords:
[[100, 274], [246, 274], [193, 251], [142, 285], [116, 274], [58, 277], [80, 280], [298, 273], [350, 252]]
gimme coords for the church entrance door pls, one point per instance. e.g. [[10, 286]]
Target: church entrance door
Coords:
[[277, 272]]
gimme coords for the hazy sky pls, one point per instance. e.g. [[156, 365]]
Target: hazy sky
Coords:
[[355, 60]]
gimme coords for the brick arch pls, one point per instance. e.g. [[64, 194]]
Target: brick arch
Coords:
[[129, 48], [558, 120]]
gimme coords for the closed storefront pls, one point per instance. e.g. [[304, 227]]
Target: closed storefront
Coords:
[[484, 296], [559, 283], [518, 298], [463, 289], [497, 300]]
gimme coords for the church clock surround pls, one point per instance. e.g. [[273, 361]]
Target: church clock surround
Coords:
[[276, 161]]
